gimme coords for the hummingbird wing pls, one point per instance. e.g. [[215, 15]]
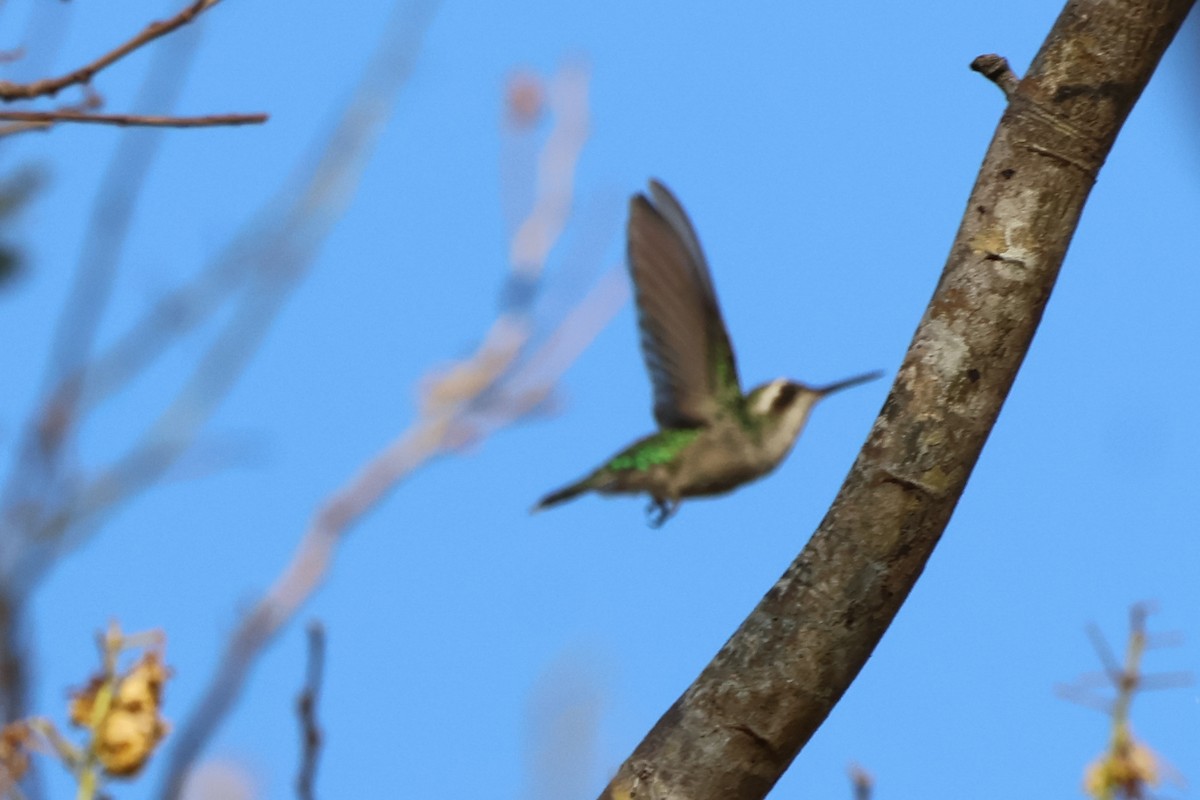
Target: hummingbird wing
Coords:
[[684, 341]]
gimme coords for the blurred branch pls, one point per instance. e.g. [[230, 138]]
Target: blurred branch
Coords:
[[17, 189], [175, 314], [1129, 768], [458, 406], [281, 255], [861, 781], [12, 56], [1125, 676], [306, 708], [274, 254], [46, 510], [37, 480], [1112, 667], [555, 173], [24, 127], [737, 728], [563, 722], [43, 120], [10, 91]]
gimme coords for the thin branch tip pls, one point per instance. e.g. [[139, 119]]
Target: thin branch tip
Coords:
[[996, 69], [49, 87], [311, 734], [41, 119]]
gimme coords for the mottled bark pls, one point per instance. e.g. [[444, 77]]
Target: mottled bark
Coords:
[[738, 727]]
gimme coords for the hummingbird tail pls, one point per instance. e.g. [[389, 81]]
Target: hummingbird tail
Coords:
[[562, 495]]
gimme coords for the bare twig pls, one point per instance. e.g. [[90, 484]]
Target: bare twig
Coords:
[[90, 101], [461, 404], [1112, 667], [306, 709], [1125, 676], [24, 127], [996, 69], [10, 91], [736, 729], [42, 119]]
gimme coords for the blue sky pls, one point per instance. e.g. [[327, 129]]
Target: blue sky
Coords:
[[825, 153]]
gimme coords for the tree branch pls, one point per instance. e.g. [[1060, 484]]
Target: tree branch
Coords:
[[10, 91], [306, 709], [40, 472], [491, 388], [996, 69], [738, 727], [40, 120], [273, 256]]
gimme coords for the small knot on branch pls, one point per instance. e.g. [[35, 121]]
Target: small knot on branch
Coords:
[[996, 69]]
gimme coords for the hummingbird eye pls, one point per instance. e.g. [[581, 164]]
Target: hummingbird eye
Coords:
[[787, 394]]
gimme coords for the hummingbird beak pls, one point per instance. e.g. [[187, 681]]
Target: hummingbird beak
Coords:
[[824, 391]]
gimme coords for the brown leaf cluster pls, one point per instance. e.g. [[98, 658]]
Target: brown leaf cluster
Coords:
[[123, 714]]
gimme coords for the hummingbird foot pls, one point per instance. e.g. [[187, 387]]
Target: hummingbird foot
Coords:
[[659, 511]]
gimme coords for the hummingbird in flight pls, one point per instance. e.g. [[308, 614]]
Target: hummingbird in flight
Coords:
[[712, 438]]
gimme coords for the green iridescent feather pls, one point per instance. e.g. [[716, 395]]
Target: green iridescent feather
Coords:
[[661, 448]]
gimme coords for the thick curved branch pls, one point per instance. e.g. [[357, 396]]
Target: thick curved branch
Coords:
[[738, 727]]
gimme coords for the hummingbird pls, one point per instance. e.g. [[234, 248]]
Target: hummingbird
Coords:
[[712, 438]]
